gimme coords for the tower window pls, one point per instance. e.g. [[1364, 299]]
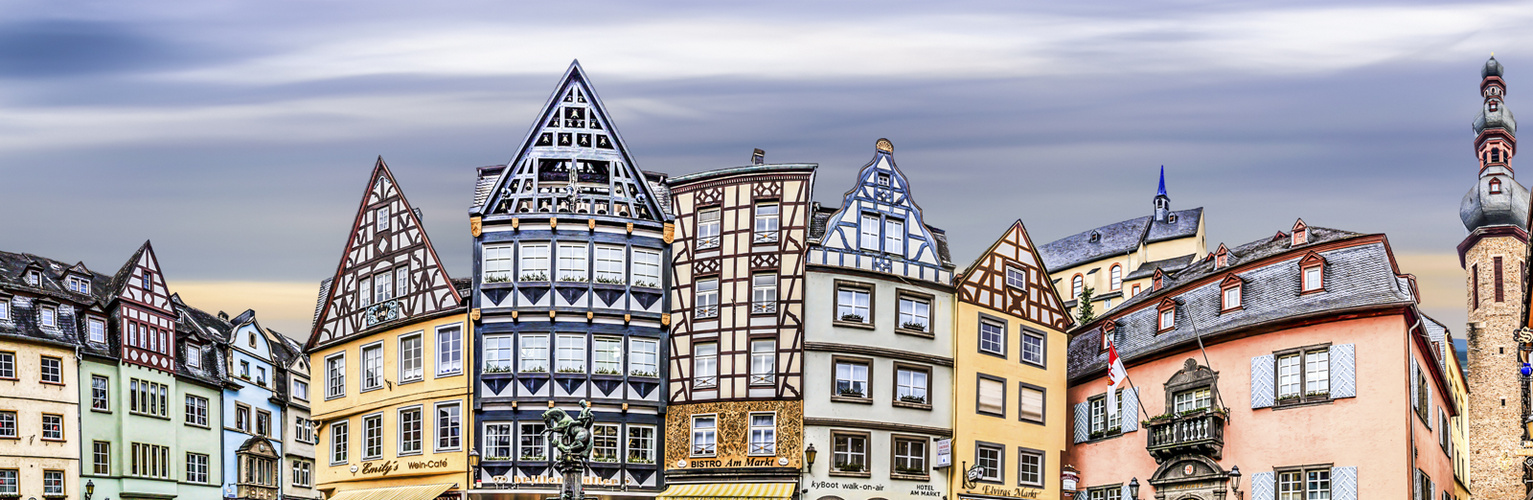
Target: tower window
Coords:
[[1495, 186]]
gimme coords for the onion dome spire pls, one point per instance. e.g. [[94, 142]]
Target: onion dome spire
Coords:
[[1497, 199]]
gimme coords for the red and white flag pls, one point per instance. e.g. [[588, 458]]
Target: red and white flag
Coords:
[[1116, 373]]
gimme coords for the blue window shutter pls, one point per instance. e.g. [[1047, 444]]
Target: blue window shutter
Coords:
[[1343, 371], [1415, 389], [1344, 483], [1261, 381], [1126, 495], [1082, 422], [1130, 409], [1263, 485]]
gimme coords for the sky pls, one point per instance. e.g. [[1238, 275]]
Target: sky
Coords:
[[238, 136]]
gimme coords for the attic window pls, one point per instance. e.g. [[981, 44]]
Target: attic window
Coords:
[[1167, 317], [1108, 329], [145, 282], [1221, 257], [193, 356], [34, 277], [1159, 280], [251, 335], [883, 179], [1230, 294], [1300, 233], [79, 285], [1312, 273], [1495, 186], [382, 217], [1171, 218], [1095, 237]]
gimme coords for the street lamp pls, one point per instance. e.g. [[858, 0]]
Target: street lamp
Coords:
[[1235, 481], [809, 454], [473, 465], [90, 489], [1133, 488]]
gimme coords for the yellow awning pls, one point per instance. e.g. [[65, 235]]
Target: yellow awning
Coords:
[[426, 492], [729, 491]]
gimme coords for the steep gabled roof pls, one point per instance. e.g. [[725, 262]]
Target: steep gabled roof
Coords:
[[985, 281], [1118, 238]]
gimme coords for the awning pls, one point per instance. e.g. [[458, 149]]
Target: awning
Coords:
[[426, 492], [731, 491]]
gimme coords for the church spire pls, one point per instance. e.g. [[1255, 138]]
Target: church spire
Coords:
[[1162, 200], [1496, 199]]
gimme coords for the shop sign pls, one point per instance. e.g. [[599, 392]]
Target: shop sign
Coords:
[[554, 481], [384, 468], [944, 453]]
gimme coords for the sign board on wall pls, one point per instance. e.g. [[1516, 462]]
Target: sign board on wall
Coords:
[[944, 453]]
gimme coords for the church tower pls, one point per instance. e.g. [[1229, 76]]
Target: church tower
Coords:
[[1495, 212], [1162, 200]]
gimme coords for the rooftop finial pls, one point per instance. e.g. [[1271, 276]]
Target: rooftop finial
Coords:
[[885, 146]]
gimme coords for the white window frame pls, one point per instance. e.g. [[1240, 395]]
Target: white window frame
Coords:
[[763, 362], [370, 439], [365, 290], [1038, 467], [708, 228], [637, 442], [376, 381], [340, 449], [646, 268], [707, 293], [1229, 298], [498, 437], [526, 352], [10, 425], [570, 353], [704, 441], [402, 280], [610, 263], [5, 308], [8, 365], [851, 300], [196, 410], [763, 437], [196, 468], [449, 349], [54, 375], [574, 262], [990, 473], [412, 367], [607, 355], [335, 375], [383, 286], [539, 441], [533, 262], [100, 393], [499, 355], [1034, 356], [906, 383], [894, 236], [300, 390], [869, 238], [764, 293], [498, 263], [705, 365], [855, 378], [49, 316], [381, 216], [408, 436], [448, 427], [919, 312], [643, 358], [767, 223], [606, 443], [987, 342], [96, 330]]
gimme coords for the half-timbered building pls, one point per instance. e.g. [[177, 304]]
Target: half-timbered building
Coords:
[[389, 345], [736, 351], [878, 343], [570, 242]]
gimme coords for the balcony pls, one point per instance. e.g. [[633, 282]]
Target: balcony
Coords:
[[1198, 432]]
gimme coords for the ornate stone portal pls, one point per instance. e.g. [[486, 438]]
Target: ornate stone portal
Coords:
[[572, 437], [1188, 442]]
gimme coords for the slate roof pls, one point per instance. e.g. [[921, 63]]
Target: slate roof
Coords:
[[662, 192], [23, 321], [744, 169], [1168, 265], [1357, 276], [324, 292], [121, 278], [484, 184], [1117, 238], [208, 330]]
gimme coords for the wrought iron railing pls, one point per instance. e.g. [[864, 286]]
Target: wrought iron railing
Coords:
[[764, 307], [707, 311]]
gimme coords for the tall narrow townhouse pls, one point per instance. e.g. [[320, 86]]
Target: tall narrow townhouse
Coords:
[[252, 446], [1456, 441], [389, 343], [201, 375], [46, 307], [878, 346], [736, 384], [570, 242], [299, 437], [1010, 377]]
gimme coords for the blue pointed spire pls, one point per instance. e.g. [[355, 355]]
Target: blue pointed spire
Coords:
[[1162, 191]]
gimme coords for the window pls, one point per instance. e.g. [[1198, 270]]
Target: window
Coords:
[[571, 354], [1077, 286], [705, 365], [882, 179], [869, 232], [381, 215], [763, 293], [100, 399], [372, 367], [1031, 400], [604, 443], [8, 424], [245, 369], [708, 228], [1030, 468], [643, 358], [646, 268], [301, 390], [53, 427], [704, 432], [1499, 281], [8, 365], [1443, 432], [607, 356], [340, 438], [497, 263], [196, 468], [1231, 297], [95, 329], [1032, 347], [303, 430], [148, 398], [1167, 319], [34, 277], [763, 362], [991, 398], [263, 422], [708, 298], [766, 223], [763, 434], [1195, 399], [609, 265], [534, 445], [853, 304], [372, 437], [335, 375], [261, 376], [242, 417], [303, 473], [410, 433], [449, 427], [849, 455], [53, 482], [915, 313], [641, 444], [449, 350], [1304, 375], [534, 262], [894, 236], [193, 356], [911, 384], [383, 287], [852, 379], [52, 370], [988, 457], [497, 354], [10, 480], [1115, 277], [402, 281], [1103, 422], [573, 263], [5, 308], [365, 291], [1134, 291], [910, 456], [101, 458], [497, 442], [992, 337], [1317, 372], [534, 353], [1495, 185], [410, 362], [1016, 278], [196, 410], [1304, 485]]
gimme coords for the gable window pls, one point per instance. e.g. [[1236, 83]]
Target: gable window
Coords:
[[992, 396], [992, 337], [609, 265], [705, 365], [339, 442], [704, 433], [1115, 280], [335, 375], [401, 281], [915, 313], [372, 367], [571, 354], [1304, 375], [383, 287], [894, 236], [707, 298], [301, 390], [766, 223], [852, 379], [763, 293], [646, 268], [910, 456], [1016, 278], [381, 216], [533, 354], [988, 458], [881, 179], [708, 228], [497, 263], [869, 231], [1229, 297], [534, 262], [643, 358], [763, 434], [410, 354], [1167, 318], [573, 262], [100, 399], [449, 350], [52, 371], [1077, 286], [1029, 468], [607, 356], [1031, 400], [145, 281], [1032, 347], [849, 456], [763, 362], [911, 384], [365, 291], [854, 304]]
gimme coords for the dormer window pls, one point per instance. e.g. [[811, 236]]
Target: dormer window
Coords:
[[1221, 257], [1108, 330], [1095, 237], [1312, 273], [34, 277], [1495, 186], [79, 285], [1300, 233], [1167, 317], [1134, 291], [48, 316], [193, 356], [1231, 290], [1159, 281]]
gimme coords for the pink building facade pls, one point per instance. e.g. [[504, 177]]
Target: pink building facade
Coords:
[[1316, 378]]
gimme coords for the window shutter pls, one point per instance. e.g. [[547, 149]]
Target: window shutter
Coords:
[[1130, 409], [1263, 485], [1415, 389], [1343, 371], [1416, 485], [1261, 381], [1126, 494], [1344, 483], [1082, 422]]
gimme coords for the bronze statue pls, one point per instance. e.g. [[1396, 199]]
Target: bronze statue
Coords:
[[572, 437]]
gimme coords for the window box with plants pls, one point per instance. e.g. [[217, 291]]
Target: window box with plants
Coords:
[[847, 392], [646, 284], [497, 280], [913, 401], [537, 278], [638, 460], [914, 328], [571, 370], [572, 279], [605, 372], [1106, 433], [849, 469], [498, 371], [533, 458], [643, 374]]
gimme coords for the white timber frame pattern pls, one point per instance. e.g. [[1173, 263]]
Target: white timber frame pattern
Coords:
[[386, 238], [882, 195], [146, 321], [989, 284]]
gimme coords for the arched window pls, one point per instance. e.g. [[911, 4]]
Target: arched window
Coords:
[[1077, 285], [1117, 277]]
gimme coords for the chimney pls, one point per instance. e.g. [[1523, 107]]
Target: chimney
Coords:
[[758, 157], [223, 315], [418, 213]]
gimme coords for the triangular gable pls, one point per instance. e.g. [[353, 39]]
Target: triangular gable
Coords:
[[882, 193], [1230, 280], [373, 250], [985, 281], [141, 282], [1300, 233], [573, 161]]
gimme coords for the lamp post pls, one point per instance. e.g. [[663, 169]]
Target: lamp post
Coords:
[[473, 465], [1235, 481], [809, 454], [90, 489], [1133, 488]]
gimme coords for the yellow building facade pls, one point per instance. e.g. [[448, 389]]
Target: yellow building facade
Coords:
[[39, 410], [1009, 408], [1458, 391]]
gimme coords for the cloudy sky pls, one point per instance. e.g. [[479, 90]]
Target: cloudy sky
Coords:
[[238, 136]]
